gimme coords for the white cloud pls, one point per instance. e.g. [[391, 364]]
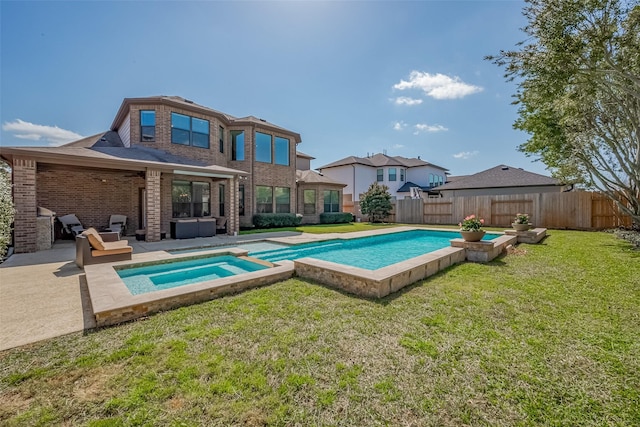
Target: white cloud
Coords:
[[438, 86], [397, 146], [405, 100], [399, 125], [52, 135], [465, 154], [423, 127]]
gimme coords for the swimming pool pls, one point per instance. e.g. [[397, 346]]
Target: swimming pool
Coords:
[[150, 277], [369, 253]]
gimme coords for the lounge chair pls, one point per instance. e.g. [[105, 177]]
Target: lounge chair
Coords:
[[117, 223], [94, 248], [71, 224], [221, 225]]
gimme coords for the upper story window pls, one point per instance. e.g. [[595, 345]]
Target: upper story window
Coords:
[[237, 145], [263, 147], [380, 175], [282, 151], [187, 130], [221, 138], [392, 174], [147, 125], [401, 175]]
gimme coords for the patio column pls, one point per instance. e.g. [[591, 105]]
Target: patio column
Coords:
[[24, 199], [154, 207], [233, 220]]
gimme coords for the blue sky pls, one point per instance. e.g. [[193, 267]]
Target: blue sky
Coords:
[[405, 78]]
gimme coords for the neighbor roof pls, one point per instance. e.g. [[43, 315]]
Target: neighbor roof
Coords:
[[378, 160], [187, 104], [499, 176]]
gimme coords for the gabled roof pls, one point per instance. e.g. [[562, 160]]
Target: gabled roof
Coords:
[[499, 176], [303, 155], [107, 151], [313, 177], [379, 160], [189, 105]]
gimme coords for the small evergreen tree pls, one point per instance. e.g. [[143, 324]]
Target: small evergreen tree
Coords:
[[6, 209], [376, 202]]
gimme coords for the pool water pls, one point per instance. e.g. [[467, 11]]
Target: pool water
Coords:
[[370, 253], [156, 276]]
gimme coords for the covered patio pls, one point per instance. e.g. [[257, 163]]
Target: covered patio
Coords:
[[96, 177]]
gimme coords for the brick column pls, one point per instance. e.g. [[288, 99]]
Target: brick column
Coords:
[[24, 199], [233, 221], [154, 207]]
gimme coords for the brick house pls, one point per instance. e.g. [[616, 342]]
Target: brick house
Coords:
[[316, 193], [163, 158]]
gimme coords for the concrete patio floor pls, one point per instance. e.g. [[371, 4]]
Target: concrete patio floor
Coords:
[[44, 294]]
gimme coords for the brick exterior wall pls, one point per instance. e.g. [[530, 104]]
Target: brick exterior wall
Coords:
[[91, 194], [24, 198], [260, 173], [319, 189]]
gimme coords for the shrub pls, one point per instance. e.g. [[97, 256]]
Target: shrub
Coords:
[[6, 210], [273, 220], [335, 218], [376, 202]]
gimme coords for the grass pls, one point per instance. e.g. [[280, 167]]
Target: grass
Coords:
[[548, 335]]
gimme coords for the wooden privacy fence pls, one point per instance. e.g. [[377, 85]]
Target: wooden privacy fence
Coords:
[[579, 210]]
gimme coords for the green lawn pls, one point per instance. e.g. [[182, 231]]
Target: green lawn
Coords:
[[548, 335]]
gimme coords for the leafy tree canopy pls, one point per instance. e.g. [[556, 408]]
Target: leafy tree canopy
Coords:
[[578, 95]]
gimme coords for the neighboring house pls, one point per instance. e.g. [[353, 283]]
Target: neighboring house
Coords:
[[499, 180], [398, 173], [316, 193], [163, 158]]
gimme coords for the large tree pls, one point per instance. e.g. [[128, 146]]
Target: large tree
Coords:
[[578, 77]]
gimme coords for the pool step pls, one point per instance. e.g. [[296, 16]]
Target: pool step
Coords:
[[293, 251]]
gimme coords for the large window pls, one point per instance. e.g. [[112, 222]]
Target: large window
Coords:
[[221, 138], [147, 125], [331, 201], [380, 175], [392, 174], [241, 200], [221, 199], [264, 199], [263, 147], [190, 199], [237, 145], [282, 151], [283, 199], [309, 202], [187, 130]]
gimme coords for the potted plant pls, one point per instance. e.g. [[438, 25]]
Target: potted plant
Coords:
[[521, 222], [470, 228]]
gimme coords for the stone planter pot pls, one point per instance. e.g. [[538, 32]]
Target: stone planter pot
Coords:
[[520, 227], [472, 236]]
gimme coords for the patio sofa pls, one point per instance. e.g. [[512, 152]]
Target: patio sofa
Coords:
[[94, 248], [193, 227]]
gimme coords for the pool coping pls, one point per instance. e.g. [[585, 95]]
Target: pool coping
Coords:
[[113, 303]]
